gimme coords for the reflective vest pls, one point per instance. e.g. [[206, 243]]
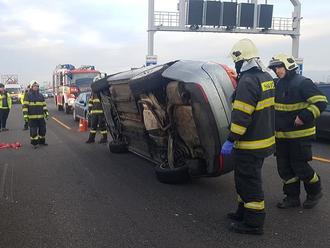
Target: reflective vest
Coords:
[[34, 106], [95, 106], [252, 125], [5, 101], [297, 96]]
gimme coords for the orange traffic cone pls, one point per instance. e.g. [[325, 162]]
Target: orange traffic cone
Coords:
[[82, 125]]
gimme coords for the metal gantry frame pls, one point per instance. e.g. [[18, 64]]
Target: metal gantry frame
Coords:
[[176, 21]]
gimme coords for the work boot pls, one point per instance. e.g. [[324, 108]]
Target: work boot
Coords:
[[35, 146], [241, 227], [289, 202], [238, 215], [43, 144], [90, 141], [312, 200], [25, 128], [5, 129]]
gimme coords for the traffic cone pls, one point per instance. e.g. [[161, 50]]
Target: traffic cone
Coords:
[[82, 125]]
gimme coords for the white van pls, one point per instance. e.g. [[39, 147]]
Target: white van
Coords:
[[15, 91]]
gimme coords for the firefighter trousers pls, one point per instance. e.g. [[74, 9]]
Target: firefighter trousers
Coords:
[[292, 164], [97, 122], [3, 117], [247, 172], [37, 131]]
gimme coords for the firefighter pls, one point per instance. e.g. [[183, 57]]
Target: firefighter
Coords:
[[97, 120], [298, 102], [5, 106], [35, 112], [252, 136], [26, 123]]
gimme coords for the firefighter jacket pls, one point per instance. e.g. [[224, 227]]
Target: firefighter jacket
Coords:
[[252, 126], [34, 106], [95, 106], [5, 101], [297, 96], [26, 92]]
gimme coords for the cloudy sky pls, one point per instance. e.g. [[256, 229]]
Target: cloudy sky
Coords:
[[36, 35]]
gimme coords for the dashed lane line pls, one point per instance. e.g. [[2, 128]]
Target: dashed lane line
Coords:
[[61, 123], [322, 159], [3, 181]]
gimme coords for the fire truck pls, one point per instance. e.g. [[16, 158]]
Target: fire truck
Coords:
[[69, 81]]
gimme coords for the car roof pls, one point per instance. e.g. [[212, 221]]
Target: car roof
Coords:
[[181, 70]]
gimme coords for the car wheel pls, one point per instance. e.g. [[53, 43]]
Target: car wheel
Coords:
[[118, 147], [168, 175], [75, 118]]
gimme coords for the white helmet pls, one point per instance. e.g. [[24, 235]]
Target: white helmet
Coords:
[[33, 82], [283, 60], [243, 50]]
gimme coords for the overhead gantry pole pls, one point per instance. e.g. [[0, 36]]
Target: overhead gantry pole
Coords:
[[151, 23], [296, 27]]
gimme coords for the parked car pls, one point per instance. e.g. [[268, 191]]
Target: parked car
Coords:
[[45, 94], [323, 122], [175, 115], [80, 107]]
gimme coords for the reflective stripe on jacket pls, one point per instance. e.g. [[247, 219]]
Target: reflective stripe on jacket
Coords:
[[34, 106], [95, 106], [297, 96], [252, 122], [5, 101]]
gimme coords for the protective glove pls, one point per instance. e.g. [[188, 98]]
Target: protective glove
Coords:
[[26, 119], [227, 148], [46, 116]]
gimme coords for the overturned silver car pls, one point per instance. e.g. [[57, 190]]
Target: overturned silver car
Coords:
[[176, 115]]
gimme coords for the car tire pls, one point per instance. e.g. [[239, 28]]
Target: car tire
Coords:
[[100, 85], [118, 147], [75, 118], [168, 175]]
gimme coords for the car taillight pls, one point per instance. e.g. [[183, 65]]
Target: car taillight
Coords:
[[201, 90], [220, 162], [73, 90], [232, 75]]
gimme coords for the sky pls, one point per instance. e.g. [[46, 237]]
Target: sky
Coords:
[[37, 35]]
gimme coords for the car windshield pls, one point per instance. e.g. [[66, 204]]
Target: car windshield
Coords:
[[13, 90]]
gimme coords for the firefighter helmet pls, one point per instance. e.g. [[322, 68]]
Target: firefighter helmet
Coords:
[[33, 82], [283, 60], [244, 50]]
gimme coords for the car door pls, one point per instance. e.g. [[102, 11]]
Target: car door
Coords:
[[80, 106], [323, 122]]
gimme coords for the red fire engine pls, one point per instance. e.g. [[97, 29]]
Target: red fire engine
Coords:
[[69, 81]]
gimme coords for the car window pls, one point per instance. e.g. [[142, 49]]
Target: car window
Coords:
[[85, 97], [79, 98]]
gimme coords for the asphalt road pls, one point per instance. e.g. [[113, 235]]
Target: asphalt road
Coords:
[[71, 194]]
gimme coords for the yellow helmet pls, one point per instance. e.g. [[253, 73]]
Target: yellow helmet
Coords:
[[283, 60], [243, 50]]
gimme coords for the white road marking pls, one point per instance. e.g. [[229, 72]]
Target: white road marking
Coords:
[[61, 123]]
